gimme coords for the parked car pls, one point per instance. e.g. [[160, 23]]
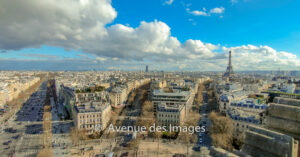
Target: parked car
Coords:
[[178, 155], [196, 148]]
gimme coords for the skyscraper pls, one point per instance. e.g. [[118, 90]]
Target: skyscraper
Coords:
[[229, 70], [147, 68]]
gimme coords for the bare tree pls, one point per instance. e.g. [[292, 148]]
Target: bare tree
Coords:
[[45, 153], [221, 131], [239, 140], [147, 109], [199, 98], [193, 118], [131, 97]]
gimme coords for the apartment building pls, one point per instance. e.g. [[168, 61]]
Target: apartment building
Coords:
[[90, 108], [92, 116], [119, 93], [158, 84], [226, 98], [12, 87], [176, 97], [90, 96], [118, 96], [171, 108], [249, 105], [3, 97], [246, 112], [242, 120], [170, 114]]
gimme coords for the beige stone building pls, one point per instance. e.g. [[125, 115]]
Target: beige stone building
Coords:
[[168, 114], [3, 97], [284, 116], [171, 108], [91, 111], [262, 142], [171, 98], [92, 116], [12, 88], [118, 96], [280, 137], [89, 96]]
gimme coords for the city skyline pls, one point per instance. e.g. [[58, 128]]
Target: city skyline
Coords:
[[172, 35]]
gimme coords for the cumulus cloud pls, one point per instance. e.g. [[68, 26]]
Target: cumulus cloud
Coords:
[[52, 22], [82, 25], [262, 57]]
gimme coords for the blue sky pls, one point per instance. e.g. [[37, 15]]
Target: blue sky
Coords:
[[258, 22], [271, 26]]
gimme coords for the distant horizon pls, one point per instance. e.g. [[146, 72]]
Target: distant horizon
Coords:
[[90, 70]]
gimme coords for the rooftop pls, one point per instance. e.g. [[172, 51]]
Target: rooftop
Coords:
[[174, 93]]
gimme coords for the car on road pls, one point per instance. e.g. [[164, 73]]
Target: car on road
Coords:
[[179, 155], [10, 130], [124, 154], [7, 143], [200, 134], [196, 148], [200, 141], [15, 137]]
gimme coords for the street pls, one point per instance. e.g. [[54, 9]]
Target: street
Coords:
[[22, 133]]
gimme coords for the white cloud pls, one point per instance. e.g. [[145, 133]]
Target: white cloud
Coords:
[[217, 10], [102, 59], [168, 2], [199, 13], [204, 12], [53, 22], [262, 57]]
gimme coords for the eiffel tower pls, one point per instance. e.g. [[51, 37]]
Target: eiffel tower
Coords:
[[229, 71]]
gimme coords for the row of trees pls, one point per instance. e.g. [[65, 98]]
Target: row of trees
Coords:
[[47, 151], [147, 118], [91, 89], [192, 120]]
